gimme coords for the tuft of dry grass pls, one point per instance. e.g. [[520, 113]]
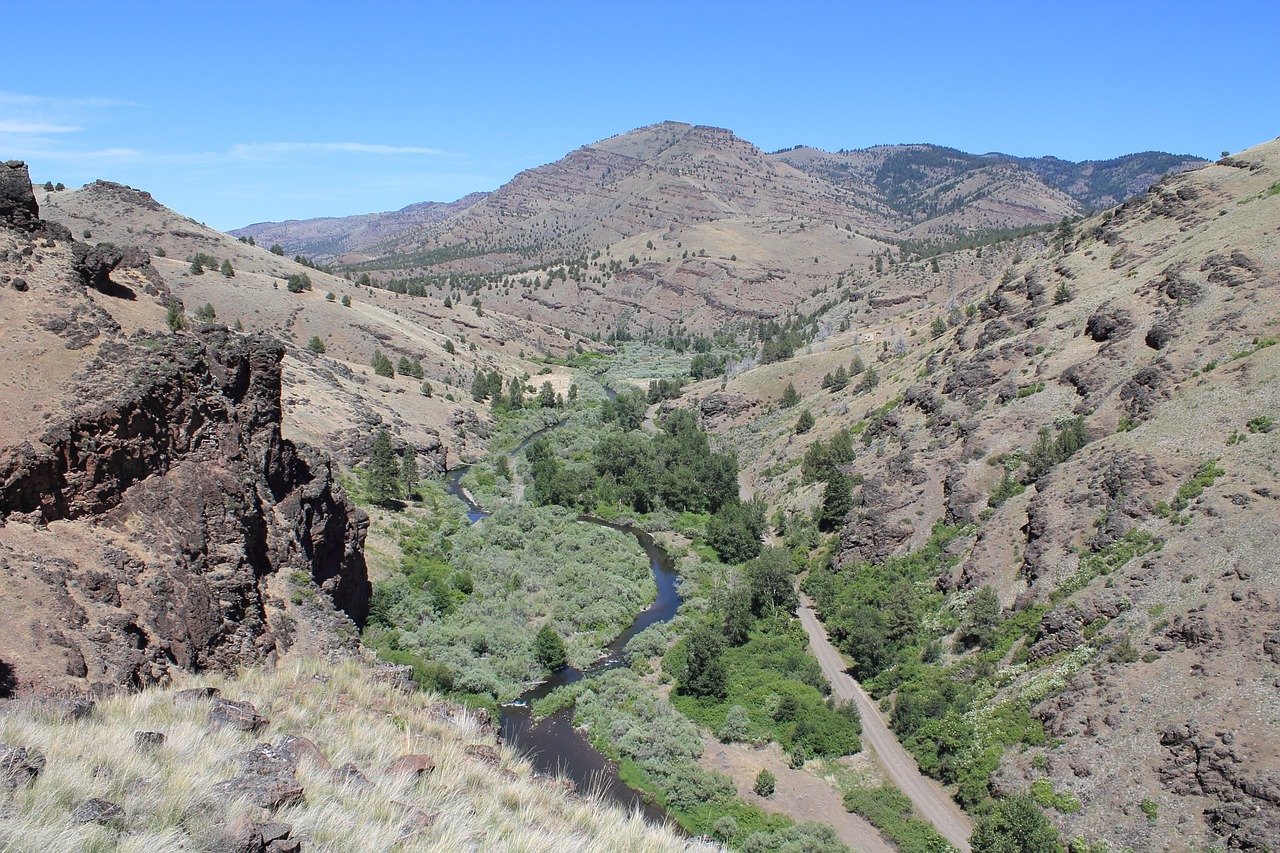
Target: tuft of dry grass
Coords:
[[166, 792]]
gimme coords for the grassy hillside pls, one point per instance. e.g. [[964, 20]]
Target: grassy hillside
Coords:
[[479, 796]]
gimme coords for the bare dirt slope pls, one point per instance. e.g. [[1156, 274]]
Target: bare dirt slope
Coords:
[[799, 794]]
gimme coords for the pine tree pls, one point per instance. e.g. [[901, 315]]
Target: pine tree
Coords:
[[547, 396], [227, 271], [789, 396], [837, 500], [805, 422], [383, 471], [315, 344], [382, 365], [409, 472], [704, 670], [174, 316]]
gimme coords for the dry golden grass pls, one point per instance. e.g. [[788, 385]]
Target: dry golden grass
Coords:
[[167, 797]]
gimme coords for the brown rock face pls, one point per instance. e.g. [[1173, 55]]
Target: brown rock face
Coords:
[[158, 513], [18, 208]]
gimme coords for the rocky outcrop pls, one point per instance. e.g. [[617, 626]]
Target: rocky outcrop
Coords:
[[18, 208], [185, 501], [1199, 763], [94, 264]]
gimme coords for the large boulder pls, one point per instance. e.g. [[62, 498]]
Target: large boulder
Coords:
[[18, 208]]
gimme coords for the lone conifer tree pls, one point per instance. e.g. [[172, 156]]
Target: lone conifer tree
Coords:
[[409, 472], [383, 472], [789, 397]]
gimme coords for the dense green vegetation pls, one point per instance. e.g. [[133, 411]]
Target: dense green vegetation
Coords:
[[674, 469], [955, 716], [475, 599], [773, 689]]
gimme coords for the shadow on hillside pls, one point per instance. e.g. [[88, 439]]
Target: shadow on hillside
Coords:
[[117, 290], [7, 682]]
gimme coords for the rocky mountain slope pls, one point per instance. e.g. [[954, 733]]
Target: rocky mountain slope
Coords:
[[1151, 548], [152, 517], [675, 224], [938, 190]]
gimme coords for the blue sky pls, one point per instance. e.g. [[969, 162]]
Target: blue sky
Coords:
[[233, 113]]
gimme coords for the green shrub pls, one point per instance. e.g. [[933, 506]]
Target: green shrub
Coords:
[[891, 812], [765, 783]]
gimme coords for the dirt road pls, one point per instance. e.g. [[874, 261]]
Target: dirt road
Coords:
[[931, 801]]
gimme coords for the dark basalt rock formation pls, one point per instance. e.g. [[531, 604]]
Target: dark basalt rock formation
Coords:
[[179, 449], [94, 264], [18, 208]]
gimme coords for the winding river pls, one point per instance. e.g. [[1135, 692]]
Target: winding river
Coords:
[[553, 745]]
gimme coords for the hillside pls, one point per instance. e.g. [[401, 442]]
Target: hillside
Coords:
[[153, 518], [327, 238], [335, 401], [1052, 560], [1140, 566], [940, 190], [680, 225], [310, 756]]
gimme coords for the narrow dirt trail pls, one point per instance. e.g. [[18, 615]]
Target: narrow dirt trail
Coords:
[[931, 801]]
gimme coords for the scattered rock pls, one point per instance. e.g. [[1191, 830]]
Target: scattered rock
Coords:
[[483, 753], [349, 774], [265, 760], [98, 811], [270, 791], [18, 208], [19, 284], [1158, 336], [1108, 324], [73, 708], [19, 766], [242, 836], [241, 716], [148, 740], [195, 695], [299, 748], [1271, 647], [94, 265], [397, 675], [411, 764]]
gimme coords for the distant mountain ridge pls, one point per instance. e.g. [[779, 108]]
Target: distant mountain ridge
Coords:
[[675, 174]]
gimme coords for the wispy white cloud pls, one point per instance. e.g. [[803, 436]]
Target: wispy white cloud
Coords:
[[25, 100], [35, 127], [69, 156], [267, 150]]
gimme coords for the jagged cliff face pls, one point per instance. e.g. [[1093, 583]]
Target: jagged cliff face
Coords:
[[151, 514]]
